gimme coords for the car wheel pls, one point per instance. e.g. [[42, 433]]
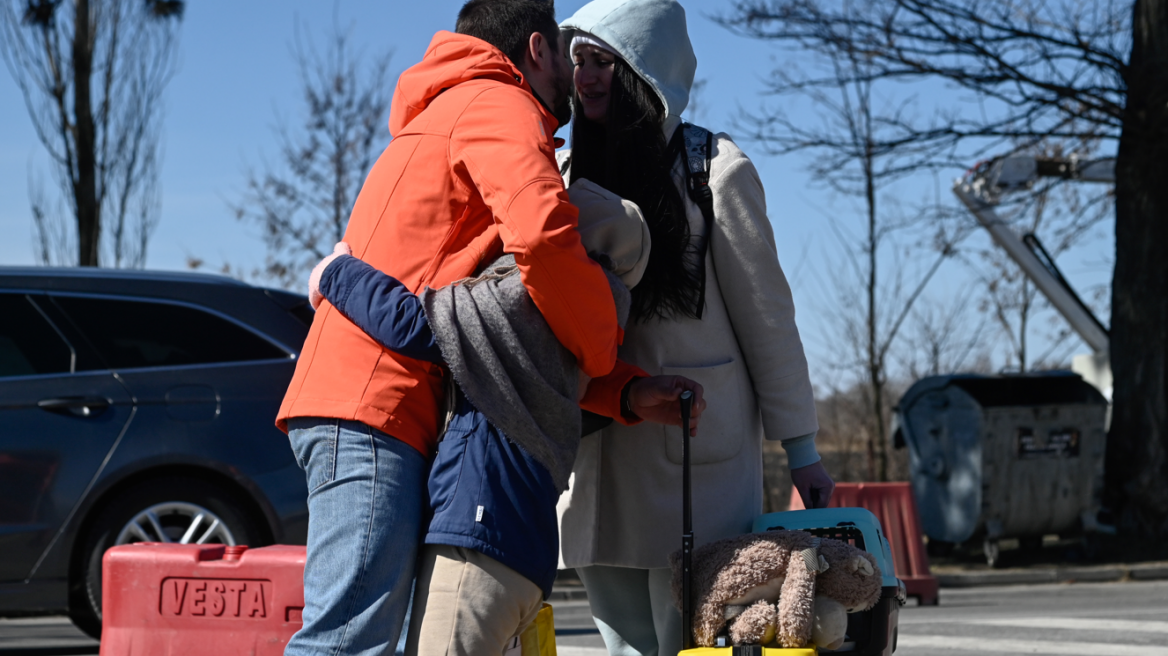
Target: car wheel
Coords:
[[181, 510]]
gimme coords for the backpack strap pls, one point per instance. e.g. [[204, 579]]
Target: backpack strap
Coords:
[[696, 146]]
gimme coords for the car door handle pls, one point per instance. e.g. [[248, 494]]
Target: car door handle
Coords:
[[75, 406]]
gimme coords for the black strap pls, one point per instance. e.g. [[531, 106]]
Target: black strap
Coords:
[[687, 535], [696, 145]]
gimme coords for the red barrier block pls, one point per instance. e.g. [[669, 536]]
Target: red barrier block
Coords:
[[894, 505], [180, 599]]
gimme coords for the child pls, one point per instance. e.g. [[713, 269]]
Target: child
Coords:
[[491, 549]]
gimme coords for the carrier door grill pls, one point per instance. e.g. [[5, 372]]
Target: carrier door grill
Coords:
[[846, 532]]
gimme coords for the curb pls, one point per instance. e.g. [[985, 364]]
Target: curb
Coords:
[[1084, 574]]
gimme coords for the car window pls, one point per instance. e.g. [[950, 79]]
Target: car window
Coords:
[[133, 334], [28, 343]]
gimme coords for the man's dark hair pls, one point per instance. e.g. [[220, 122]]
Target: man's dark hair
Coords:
[[508, 24]]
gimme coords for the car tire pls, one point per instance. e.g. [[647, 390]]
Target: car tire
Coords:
[[174, 505]]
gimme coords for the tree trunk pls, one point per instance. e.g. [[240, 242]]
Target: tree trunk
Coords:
[[877, 440], [1137, 448], [85, 177]]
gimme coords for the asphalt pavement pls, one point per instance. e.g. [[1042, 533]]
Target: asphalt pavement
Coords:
[[43, 636], [1068, 619], [1095, 619], [1065, 619]]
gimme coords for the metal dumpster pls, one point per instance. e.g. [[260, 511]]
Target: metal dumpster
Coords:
[[1016, 456]]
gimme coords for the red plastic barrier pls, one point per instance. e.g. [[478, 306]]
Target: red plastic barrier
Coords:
[[179, 599], [894, 505]]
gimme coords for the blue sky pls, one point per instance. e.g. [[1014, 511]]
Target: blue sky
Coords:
[[236, 78]]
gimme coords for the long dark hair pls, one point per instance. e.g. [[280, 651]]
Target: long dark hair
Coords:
[[629, 157]]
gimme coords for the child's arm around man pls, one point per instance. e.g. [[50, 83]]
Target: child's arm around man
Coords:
[[491, 547]]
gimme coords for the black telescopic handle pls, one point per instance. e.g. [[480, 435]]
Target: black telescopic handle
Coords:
[[687, 539]]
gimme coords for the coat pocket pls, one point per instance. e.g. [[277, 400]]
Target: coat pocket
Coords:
[[720, 433], [446, 472]]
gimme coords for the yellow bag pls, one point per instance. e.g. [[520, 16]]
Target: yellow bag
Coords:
[[538, 639]]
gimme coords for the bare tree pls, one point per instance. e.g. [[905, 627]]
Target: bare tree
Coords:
[[302, 205], [1137, 446], [1033, 70], [858, 150], [92, 73], [947, 337], [867, 319]]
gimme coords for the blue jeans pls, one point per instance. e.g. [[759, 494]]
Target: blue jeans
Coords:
[[366, 492]]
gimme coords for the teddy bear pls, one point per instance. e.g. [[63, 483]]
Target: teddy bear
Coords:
[[784, 586]]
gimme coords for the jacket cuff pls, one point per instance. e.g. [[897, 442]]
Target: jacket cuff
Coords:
[[331, 283], [604, 394], [800, 451]]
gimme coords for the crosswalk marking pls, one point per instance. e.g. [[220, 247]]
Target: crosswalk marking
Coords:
[[975, 644], [1001, 646], [1007, 646], [1076, 623], [581, 651]]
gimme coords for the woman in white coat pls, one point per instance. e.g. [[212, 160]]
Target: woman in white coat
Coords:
[[620, 520]]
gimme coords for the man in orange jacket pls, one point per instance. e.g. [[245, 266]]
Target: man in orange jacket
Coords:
[[470, 174]]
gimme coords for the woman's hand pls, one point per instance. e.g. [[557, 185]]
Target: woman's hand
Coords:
[[314, 296], [814, 484], [656, 399]]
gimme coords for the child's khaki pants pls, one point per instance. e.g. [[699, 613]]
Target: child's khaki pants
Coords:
[[467, 604]]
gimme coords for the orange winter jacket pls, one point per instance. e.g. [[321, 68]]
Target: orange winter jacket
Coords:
[[470, 174]]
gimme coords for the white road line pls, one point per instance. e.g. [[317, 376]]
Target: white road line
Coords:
[[1077, 623], [1000, 646], [581, 651]]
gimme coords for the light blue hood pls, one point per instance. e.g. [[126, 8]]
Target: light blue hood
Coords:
[[651, 36]]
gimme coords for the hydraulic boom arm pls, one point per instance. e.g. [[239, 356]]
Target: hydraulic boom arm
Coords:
[[982, 189]]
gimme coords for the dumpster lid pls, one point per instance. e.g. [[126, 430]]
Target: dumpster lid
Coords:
[[1058, 387]]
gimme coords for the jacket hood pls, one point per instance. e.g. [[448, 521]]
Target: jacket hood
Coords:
[[651, 36], [451, 59]]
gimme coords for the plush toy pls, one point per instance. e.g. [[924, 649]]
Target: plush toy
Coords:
[[788, 586]]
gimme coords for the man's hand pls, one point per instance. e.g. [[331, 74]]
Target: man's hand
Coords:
[[656, 399], [814, 484], [314, 295]]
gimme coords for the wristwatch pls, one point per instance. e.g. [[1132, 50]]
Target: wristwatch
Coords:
[[625, 407]]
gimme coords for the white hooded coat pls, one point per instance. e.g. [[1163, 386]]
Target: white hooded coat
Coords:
[[623, 507]]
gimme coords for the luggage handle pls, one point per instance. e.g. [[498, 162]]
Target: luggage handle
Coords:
[[687, 540]]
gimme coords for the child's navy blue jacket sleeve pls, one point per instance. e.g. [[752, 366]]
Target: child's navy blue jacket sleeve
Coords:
[[381, 306]]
